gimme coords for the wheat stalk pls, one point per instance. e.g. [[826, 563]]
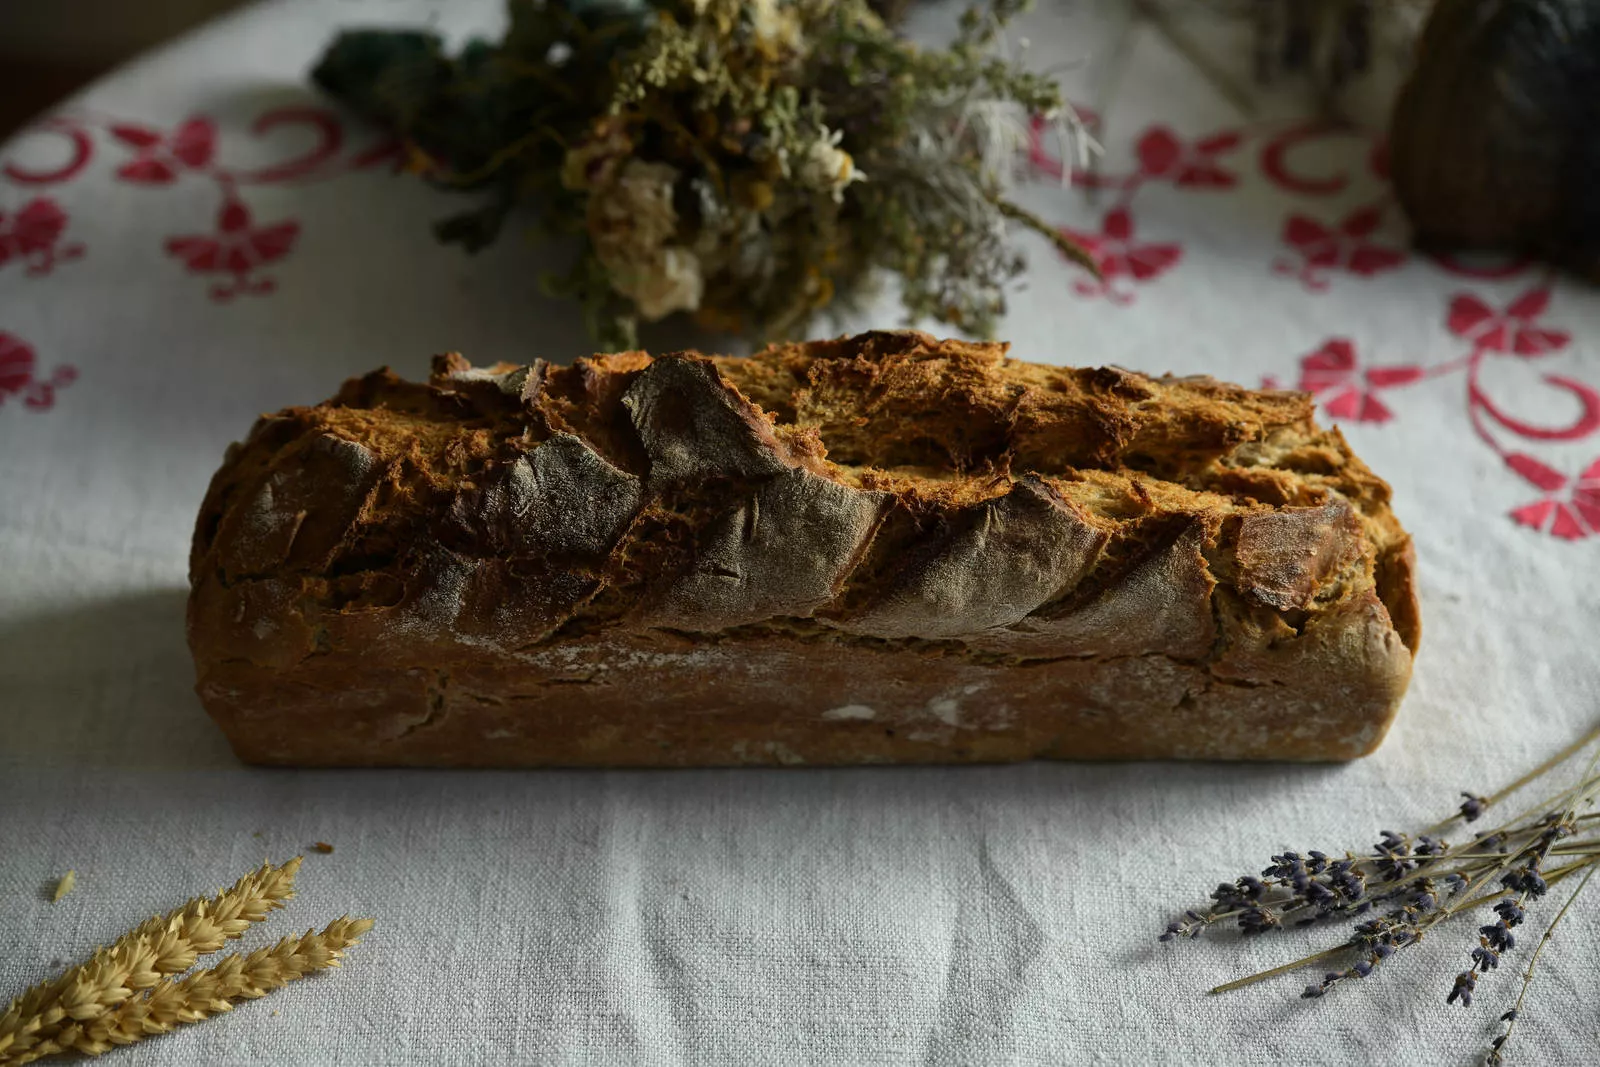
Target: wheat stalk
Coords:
[[193, 998], [64, 886], [162, 945]]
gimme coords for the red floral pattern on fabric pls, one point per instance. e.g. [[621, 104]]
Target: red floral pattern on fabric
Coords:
[[160, 157], [236, 250], [1344, 246], [33, 235], [81, 146], [1347, 391], [1294, 159], [1279, 153], [1515, 332], [1162, 155], [1349, 387], [19, 375], [1120, 257], [1511, 331], [1570, 508]]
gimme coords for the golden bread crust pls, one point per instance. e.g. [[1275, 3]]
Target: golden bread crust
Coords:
[[884, 548]]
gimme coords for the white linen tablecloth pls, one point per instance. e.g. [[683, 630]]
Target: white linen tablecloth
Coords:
[[200, 238]]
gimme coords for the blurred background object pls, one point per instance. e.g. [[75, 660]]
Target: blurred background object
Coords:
[[49, 50], [1490, 142]]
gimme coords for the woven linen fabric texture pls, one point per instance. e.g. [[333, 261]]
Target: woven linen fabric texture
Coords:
[[199, 238]]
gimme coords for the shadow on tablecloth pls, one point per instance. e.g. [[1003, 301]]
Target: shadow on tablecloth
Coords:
[[948, 907], [104, 684]]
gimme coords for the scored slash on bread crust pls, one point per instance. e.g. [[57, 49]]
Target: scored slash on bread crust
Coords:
[[884, 548]]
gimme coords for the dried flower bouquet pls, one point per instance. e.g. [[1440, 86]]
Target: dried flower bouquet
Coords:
[[748, 163]]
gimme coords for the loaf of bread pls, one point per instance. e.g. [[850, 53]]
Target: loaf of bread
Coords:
[[880, 549]]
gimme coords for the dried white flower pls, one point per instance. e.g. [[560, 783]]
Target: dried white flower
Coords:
[[630, 222], [668, 279], [776, 27], [829, 168], [633, 214]]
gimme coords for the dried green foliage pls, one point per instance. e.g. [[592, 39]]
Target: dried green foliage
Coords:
[[750, 163]]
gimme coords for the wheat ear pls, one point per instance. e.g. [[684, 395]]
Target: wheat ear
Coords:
[[163, 945], [176, 1001]]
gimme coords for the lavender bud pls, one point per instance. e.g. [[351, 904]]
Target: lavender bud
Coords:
[[1498, 936], [1466, 982]]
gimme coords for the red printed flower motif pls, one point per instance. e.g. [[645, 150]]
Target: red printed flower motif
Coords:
[[1333, 375], [158, 157], [1571, 507], [1118, 256], [33, 235], [1343, 247], [1511, 330], [18, 370], [1163, 155], [237, 249]]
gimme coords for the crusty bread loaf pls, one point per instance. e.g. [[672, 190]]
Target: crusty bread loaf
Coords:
[[880, 549]]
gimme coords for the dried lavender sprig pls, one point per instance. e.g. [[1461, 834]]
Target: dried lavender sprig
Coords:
[[1514, 826], [1272, 911], [1249, 900], [1497, 1046], [1259, 893], [1554, 877], [1528, 881], [1584, 847], [1380, 939], [1494, 798], [1472, 807], [1326, 886], [1525, 848], [1583, 793]]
